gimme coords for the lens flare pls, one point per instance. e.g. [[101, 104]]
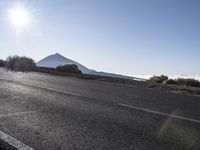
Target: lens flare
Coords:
[[19, 17]]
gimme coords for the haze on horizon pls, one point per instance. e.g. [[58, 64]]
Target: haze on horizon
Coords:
[[130, 37]]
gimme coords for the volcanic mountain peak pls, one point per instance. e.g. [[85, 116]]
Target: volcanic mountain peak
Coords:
[[52, 61]]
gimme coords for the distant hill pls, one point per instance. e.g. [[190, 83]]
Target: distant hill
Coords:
[[52, 61]]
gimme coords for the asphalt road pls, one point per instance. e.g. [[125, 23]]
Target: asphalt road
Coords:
[[49, 112]]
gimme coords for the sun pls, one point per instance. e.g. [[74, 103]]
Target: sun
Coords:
[[19, 17]]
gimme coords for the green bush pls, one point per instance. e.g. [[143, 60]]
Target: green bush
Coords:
[[188, 82], [179, 81], [17, 63], [171, 81], [2, 63], [158, 79], [72, 68]]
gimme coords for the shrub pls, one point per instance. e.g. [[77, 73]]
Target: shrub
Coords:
[[72, 68], [17, 63], [171, 81], [188, 82], [164, 78], [2, 63], [158, 79], [179, 81]]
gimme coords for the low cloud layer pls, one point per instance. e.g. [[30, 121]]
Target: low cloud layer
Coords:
[[196, 77]]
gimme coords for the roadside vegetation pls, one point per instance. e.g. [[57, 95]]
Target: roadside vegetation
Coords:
[[180, 81], [17, 63], [158, 79], [2, 63], [72, 68], [24, 64]]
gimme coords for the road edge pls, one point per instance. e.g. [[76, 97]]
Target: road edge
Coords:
[[8, 142]]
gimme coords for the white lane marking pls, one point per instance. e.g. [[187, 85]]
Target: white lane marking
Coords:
[[43, 87], [9, 98], [14, 142], [52, 89], [16, 114], [159, 113]]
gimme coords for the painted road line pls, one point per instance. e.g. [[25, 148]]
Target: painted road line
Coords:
[[55, 90], [9, 98], [16, 114], [12, 143], [159, 113], [43, 87]]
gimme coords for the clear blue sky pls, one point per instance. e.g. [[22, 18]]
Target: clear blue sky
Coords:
[[131, 37]]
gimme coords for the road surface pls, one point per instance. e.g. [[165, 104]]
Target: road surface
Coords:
[[47, 112]]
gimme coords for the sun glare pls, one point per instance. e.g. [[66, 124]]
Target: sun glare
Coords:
[[19, 17]]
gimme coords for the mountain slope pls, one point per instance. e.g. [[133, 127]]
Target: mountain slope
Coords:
[[53, 61]]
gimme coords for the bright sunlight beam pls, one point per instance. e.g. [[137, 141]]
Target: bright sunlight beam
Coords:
[[19, 17]]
